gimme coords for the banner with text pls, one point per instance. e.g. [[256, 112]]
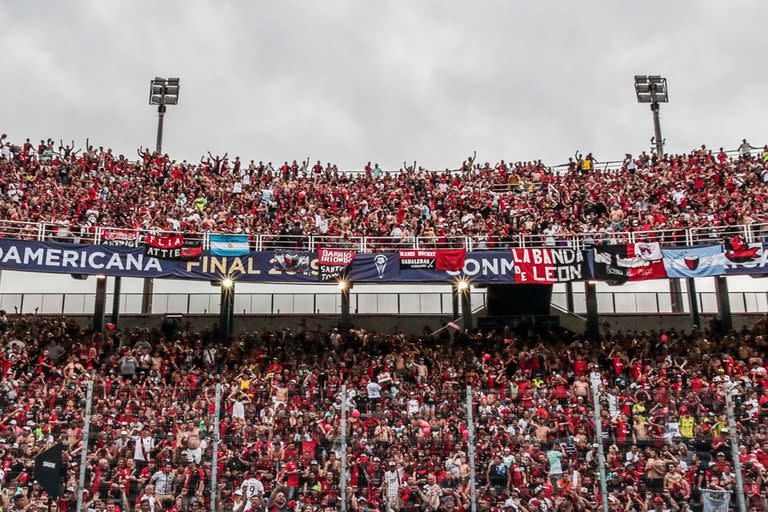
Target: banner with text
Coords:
[[549, 266], [543, 266]]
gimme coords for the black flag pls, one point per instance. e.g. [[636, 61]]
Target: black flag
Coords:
[[49, 470]]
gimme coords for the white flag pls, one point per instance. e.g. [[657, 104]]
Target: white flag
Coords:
[[715, 501]]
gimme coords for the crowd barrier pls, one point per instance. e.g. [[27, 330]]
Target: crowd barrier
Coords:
[[313, 441], [269, 242]]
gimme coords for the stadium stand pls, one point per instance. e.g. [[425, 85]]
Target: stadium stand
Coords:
[[316, 420], [78, 190], [151, 440]]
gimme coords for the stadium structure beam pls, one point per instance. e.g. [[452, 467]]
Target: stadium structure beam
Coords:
[[693, 302], [454, 302], [466, 306], [345, 321], [227, 309], [569, 296], [162, 92], [116, 287], [592, 331], [100, 304], [723, 304]]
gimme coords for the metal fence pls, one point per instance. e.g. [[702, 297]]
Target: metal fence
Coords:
[[363, 303], [611, 302], [412, 303], [305, 440], [270, 242]]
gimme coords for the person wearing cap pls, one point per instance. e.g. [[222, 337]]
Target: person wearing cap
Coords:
[[662, 503], [392, 485]]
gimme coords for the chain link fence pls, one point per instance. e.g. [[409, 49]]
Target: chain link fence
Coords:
[[396, 440]]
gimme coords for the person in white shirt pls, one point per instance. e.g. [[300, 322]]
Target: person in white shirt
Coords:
[[392, 485], [252, 487], [374, 394], [144, 443]]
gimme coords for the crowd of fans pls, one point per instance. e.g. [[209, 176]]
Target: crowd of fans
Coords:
[[78, 189], [151, 442]]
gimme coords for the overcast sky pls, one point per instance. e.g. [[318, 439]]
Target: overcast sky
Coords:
[[351, 81]]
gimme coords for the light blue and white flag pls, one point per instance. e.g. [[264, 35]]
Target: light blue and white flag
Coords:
[[694, 261], [229, 245]]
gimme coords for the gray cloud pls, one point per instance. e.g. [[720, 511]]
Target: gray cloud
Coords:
[[349, 82]]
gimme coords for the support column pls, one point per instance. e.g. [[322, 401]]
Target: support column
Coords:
[[146, 296], [227, 311], [593, 321], [693, 301], [723, 304], [100, 304], [569, 296], [676, 295], [345, 322], [455, 301], [116, 300], [466, 308]]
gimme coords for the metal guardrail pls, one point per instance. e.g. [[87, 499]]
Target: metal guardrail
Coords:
[[412, 303], [270, 242], [660, 302]]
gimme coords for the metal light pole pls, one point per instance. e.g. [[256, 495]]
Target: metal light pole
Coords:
[[653, 89], [595, 381], [162, 92]]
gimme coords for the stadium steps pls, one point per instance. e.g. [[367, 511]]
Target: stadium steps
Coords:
[[568, 320]]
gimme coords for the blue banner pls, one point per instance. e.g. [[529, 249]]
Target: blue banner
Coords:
[[272, 266], [483, 267], [694, 261]]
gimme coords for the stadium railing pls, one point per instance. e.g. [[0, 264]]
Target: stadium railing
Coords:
[[757, 232]]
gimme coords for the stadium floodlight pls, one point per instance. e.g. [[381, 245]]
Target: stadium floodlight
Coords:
[[653, 89], [462, 285], [162, 92], [343, 285], [227, 282]]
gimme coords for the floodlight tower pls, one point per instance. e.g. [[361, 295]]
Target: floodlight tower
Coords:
[[653, 89], [162, 92]]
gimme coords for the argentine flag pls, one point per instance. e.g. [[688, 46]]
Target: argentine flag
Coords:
[[229, 245]]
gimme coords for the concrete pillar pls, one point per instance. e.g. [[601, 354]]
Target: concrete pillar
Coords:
[[116, 300], [345, 321], [455, 301], [593, 320], [693, 301], [227, 311], [723, 304], [466, 308], [100, 305], [569, 296], [676, 295], [146, 296]]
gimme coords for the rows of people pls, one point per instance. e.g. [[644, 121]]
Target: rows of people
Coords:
[[495, 203], [286, 397]]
